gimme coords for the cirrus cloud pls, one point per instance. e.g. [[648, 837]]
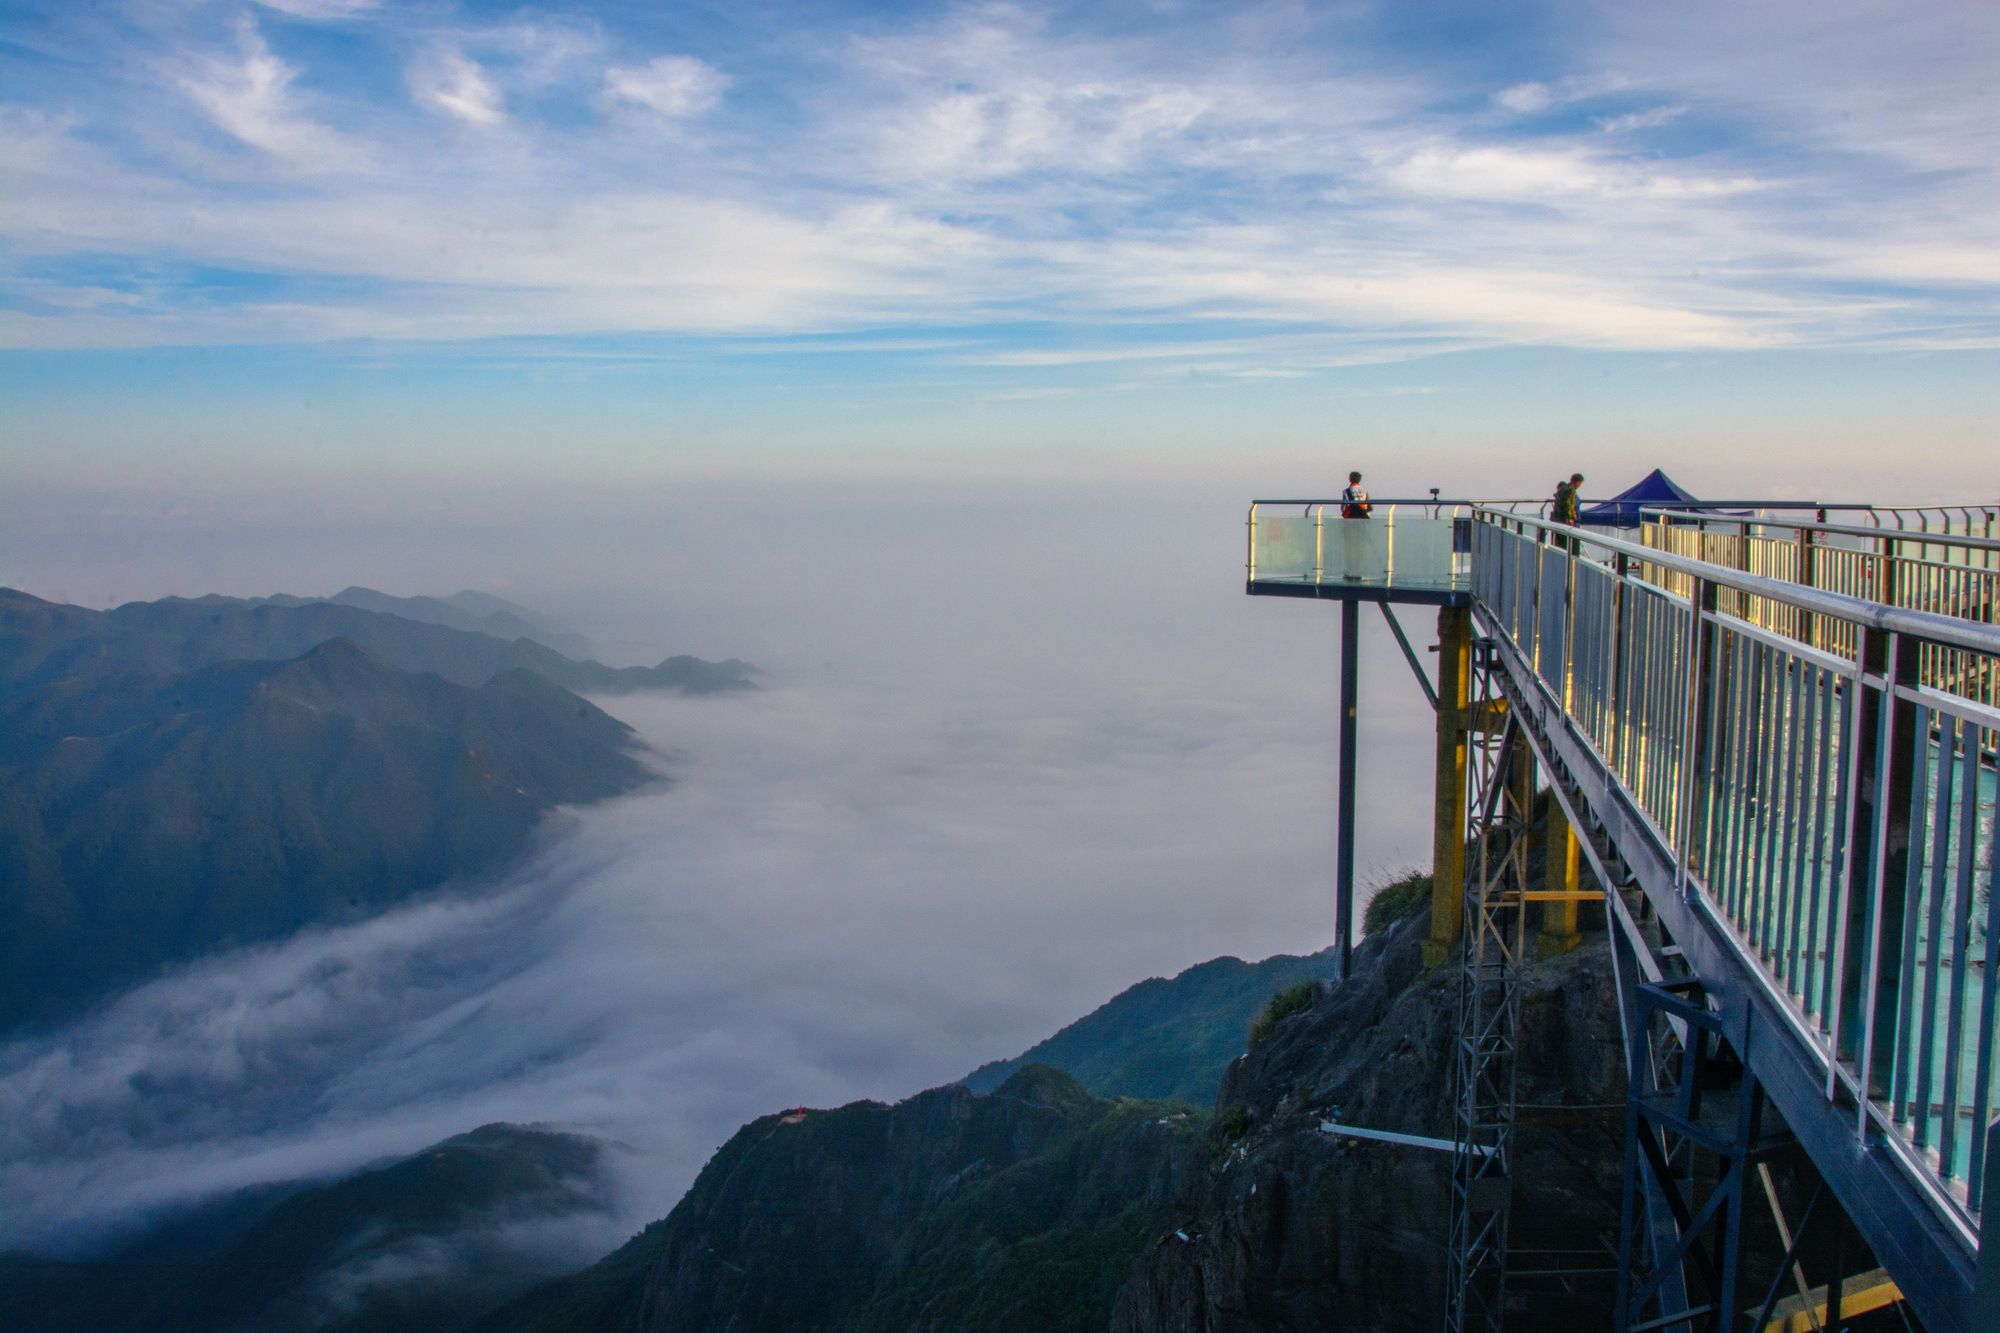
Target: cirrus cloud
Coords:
[[673, 86]]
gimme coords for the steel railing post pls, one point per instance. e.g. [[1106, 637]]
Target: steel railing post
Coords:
[[1614, 662], [1809, 577], [1878, 841], [1694, 779]]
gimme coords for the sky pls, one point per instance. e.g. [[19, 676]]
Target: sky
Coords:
[[349, 243]]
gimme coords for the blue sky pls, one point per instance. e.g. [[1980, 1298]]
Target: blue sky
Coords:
[[315, 236]]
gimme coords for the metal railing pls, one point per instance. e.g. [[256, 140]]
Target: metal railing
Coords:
[[1974, 520], [1831, 810], [1956, 575], [1301, 540]]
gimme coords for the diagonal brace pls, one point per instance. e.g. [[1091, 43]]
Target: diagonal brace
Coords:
[[1410, 655]]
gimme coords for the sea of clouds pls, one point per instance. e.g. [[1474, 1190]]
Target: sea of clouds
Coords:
[[999, 771]]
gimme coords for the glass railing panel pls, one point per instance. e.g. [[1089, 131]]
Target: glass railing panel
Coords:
[[1396, 547], [1284, 544]]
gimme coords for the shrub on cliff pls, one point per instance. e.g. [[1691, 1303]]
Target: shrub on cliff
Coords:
[[1289, 1001], [1395, 900]]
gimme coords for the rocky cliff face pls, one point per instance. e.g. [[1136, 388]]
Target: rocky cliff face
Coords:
[[1019, 1209], [1040, 1206], [1296, 1228]]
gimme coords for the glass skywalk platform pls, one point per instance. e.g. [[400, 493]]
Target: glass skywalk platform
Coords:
[[1798, 780], [1410, 551]]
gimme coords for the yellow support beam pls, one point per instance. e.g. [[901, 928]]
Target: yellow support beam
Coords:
[[1873, 1290], [1454, 688], [1560, 875]]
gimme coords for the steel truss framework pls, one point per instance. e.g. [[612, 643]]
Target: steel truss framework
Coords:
[[1500, 809], [1695, 1132], [1700, 1128]]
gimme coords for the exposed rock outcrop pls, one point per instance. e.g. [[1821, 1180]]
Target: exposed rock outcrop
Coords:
[[1020, 1209], [1297, 1228]]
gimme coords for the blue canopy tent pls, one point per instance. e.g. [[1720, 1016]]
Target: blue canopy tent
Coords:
[[1622, 509]]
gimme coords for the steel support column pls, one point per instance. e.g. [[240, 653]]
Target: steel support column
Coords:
[[1343, 902], [1561, 873], [1448, 824]]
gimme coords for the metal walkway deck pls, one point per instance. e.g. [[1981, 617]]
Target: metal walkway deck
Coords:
[[1790, 794]]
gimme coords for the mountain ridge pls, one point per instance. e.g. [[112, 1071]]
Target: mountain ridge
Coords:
[[149, 817], [1166, 1038], [417, 1244], [42, 642], [1016, 1209]]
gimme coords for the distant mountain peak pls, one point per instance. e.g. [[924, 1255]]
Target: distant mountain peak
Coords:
[[340, 648], [167, 812], [42, 642]]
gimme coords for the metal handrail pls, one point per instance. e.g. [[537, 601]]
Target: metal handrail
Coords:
[[1581, 499], [1749, 757], [1897, 536], [1922, 512], [1872, 615], [1409, 500]]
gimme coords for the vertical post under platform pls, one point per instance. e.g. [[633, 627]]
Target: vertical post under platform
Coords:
[[1448, 830], [1561, 873], [1350, 655]]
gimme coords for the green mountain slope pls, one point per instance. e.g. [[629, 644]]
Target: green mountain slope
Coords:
[[45, 642], [146, 818], [1024, 1208], [1165, 1038], [423, 1245]]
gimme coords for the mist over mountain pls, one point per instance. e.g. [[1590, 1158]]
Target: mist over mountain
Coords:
[[42, 642], [477, 612], [148, 817], [949, 827], [421, 1245]]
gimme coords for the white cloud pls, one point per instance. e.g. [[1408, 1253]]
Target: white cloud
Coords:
[[673, 86], [249, 94], [451, 82], [1892, 84], [539, 52], [973, 824], [1641, 120], [322, 9], [1526, 98], [1537, 174], [987, 94], [1533, 98], [987, 159]]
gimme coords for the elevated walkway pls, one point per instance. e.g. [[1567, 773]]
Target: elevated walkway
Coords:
[[1789, 792]]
